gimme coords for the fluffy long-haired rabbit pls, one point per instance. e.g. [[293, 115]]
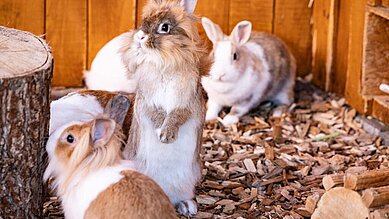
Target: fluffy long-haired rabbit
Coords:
[[166, 131], [249, 68], [92, 179], [85, 105], [108, 72]]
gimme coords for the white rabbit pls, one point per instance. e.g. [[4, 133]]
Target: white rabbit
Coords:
[[249, 68], [92, 179], [169, 110], [108, 71]]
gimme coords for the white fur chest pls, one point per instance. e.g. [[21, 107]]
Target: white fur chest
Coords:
[[166, 90], [82, 192], [173, 166]]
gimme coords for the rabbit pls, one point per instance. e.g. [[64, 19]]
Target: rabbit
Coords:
[[85, 105], [94, 181], [249, 68], [169, 109], [108, 71]]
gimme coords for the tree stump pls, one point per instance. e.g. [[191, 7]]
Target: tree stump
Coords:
[[26, 66]]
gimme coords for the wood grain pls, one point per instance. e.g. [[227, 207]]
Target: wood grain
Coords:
[[66, 28], [217, 11], [341, 203], [259, 12], [292, 23], [376, 58], [28, 15], [338, 76], [322, 42], [139, 8], [107, 19], [355, 51], [380, 108]]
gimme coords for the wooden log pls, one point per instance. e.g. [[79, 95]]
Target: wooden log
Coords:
[[380, 214], [340, 202], [311, 203], [26, 66], [375, 197], [331, 181], [367, 179]]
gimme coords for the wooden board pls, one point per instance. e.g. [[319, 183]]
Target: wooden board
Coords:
[[380, 108], [139, 7], [20, 14], [322, 43], [259, 12], [217, 11], [338, 76], [292, 23], [385, 3], [66, 29], [24, 15], [355, 51], [107, 19], [376, 58]]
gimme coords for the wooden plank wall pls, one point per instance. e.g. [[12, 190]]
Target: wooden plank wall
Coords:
[[76, 30]]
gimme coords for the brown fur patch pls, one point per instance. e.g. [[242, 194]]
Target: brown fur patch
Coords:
[[282, 65], [64, 149], [101, 96], [134, 196]]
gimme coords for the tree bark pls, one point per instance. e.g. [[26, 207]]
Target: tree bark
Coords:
[[26, 66]]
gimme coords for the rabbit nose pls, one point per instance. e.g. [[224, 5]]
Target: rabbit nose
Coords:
[[141, 36]]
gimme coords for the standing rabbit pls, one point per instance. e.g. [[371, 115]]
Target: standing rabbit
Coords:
[[249, 68], [169, 112], [108, 72], [92, 179]]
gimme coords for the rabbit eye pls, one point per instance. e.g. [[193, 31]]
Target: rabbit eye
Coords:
[[70, 139], [235, 56], [164, 28]]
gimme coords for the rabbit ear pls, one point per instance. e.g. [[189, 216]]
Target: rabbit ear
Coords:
[[117, 108], [189, 5], [102, 131], [241, 32], [212, 30]]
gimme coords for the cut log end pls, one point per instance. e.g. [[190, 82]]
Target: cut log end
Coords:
[[341, 203], [331, 181]]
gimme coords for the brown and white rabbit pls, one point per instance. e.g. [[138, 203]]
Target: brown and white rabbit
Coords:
[[108, 71], [84, 105], [166, 131], [249, 68], [92, 179]]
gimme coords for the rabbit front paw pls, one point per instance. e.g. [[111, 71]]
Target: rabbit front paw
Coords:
[[229, 120], [167, 135], [187, 207]]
